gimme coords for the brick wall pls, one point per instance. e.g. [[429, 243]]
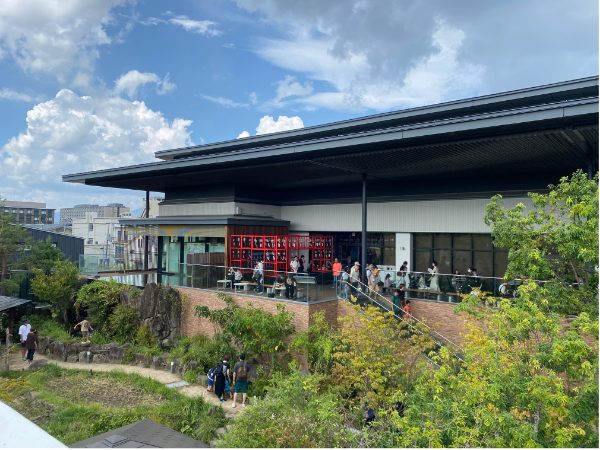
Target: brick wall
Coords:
[[192, 325], [442, 318], [439, 316]]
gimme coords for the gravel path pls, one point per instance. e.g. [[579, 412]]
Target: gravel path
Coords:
[[162, 376]]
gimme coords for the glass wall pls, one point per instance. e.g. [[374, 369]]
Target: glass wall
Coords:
[[458, 252], [381, 248]]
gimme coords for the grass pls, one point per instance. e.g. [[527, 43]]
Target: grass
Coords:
[[74, 405]]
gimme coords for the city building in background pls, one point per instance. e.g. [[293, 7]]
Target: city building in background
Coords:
[[67, 215], [28, 212]]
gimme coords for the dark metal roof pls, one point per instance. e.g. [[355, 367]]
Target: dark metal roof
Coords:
[[412, 141], [207, 220], [143, 434], [11, 302], [549, 93]]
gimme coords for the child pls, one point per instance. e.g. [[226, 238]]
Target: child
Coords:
[[211, 379]]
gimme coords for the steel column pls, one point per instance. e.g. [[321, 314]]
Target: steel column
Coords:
[[146, 235], [363, 255]]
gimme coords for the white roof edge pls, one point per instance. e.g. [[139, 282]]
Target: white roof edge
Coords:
[[20, 432]]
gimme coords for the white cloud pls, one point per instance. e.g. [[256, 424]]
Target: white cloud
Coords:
[[9, 94], [268, 125], [56, 37], [253, 98], [72, 133], [224, 102], [438, 75], [290, 87], [203, 27], [130, 82]]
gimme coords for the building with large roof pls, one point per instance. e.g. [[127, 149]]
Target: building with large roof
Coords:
[[408, 185]]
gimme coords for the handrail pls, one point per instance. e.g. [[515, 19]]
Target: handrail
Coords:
[[401, 318]]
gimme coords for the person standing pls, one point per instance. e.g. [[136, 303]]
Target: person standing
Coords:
[[355, 275], [32, 344], [24, 330], [240, 380], [86, 327], [433, 270], [345, 279], [301, 264], [336, 270], [294, 264], [219, 381]]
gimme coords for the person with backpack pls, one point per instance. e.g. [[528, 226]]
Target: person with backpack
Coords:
[[240, 380], [219, 381]]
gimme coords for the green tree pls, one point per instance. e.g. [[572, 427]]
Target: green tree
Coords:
[[555, 241], [528, 380], [44, 255], [12, 240], [250, 329], [58, 288], [318, 343]]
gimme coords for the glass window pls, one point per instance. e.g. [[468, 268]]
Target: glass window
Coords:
[[444, 260], [423, 240], [500, 263], [461, 241], [422, 261], [442, 240], [482, 242], [461, 260], [482, 261]]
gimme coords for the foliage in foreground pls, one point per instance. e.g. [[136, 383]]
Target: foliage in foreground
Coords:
[[71, 421], [294, 413]]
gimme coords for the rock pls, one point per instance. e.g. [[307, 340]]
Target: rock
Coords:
[[220, 431], [159, 363], [73, 358], [84, 358], [56, 350], [43, 343], [202, 380], [36, 364], [191, 365], [100, 359], [142, 360], [159, 308]]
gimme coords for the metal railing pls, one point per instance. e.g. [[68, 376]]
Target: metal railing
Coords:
[[366, 294], [306, 287], [94, 264]]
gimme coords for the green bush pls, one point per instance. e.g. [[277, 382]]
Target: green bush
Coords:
[[203, 350], [99, 299], [122, 324], [293, 414], [50, 328]]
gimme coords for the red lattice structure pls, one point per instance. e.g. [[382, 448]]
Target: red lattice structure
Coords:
[[277, 251]]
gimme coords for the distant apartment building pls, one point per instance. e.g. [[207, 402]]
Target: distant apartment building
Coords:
[[67, 215], [30, 213], [102, 236]]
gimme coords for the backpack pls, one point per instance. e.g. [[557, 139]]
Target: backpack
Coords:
[[218, 371], [242, 372]]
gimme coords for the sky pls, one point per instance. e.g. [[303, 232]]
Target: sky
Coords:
[[94, 84]]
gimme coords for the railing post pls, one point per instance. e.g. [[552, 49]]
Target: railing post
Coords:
[[146, 229]]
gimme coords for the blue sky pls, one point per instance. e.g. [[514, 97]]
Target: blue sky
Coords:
[[91, 84]]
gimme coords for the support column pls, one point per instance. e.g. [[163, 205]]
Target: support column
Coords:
[[146, 235], [363, 242], [590, 166]]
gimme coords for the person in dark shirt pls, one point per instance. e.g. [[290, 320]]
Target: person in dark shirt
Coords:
[[31, 343]]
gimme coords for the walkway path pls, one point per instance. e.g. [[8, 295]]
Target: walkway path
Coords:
[[162, 376]]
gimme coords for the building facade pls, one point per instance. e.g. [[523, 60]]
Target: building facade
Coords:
[[32, 213], [414, 183], [67, 215]]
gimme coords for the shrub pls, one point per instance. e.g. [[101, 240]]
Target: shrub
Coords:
[[50, 328], [99, 299], [293, 414], [122, 324], [205, 351]]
